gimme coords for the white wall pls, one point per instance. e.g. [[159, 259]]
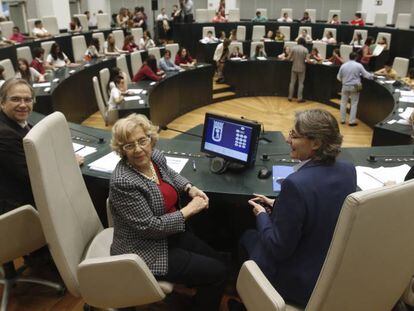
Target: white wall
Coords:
[[371, 8]]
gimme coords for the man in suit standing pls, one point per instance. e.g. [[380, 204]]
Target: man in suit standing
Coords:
[[298, 55]]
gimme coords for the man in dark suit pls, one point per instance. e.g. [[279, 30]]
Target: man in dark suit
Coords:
[[290, 244]]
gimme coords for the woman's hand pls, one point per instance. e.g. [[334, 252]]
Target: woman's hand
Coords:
[[263, 199], [195, 192], [257, 208], [196, 205]]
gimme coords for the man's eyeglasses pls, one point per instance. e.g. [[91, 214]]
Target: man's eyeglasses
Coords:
[[142, 143], [18, 99]]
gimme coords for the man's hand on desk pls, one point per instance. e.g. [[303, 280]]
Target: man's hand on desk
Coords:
[[79, 159], [261, 204]]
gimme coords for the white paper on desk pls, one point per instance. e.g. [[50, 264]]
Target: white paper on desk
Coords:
[[407, 93], [261, 58], [390, 81], [406, 99], [85, 151], [129, 98], [327, 63], [400, 109], [403, 122], [153, 83], [141, 102], [235, 58], [77, 147], [371, 178], [391, 121], [378, 50], [176, 164], [105, 164], [135, 91], [407, 113], [381, 81], [43, 84]]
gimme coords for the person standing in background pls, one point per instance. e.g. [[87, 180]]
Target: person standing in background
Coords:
[[298, 55], [187, 10]]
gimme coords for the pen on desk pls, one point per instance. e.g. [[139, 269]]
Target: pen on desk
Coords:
[[194, 166]]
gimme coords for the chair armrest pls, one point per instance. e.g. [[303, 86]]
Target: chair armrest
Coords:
[[408, 296], [256, 291], [20, 233], [117, 282]]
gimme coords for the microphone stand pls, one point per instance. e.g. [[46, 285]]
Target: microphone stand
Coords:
[[265, 156], [262, 132], [166, 128]]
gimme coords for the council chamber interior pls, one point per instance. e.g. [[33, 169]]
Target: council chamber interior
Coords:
[[229, 89]]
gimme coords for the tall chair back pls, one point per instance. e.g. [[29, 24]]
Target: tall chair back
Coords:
[[122, 64], [285, 30], [7, 28], [24, 52], [119, 38], [9, 72], [380, 19], [99, 100], [101, 38], [253, 46], [207, 29], [210, 13], [403, 21], [156, 52], [321, 46], [104, 76], [258, 33], [262, 11], [51, 24], [332, 13], [137, 33], [312, 14], [400, 65], [387, 37], [201, 15], [103, 21], [78, 47], [173, 48], [136, 62], [307, 28], [345, 50], [234, 45], [289, 11], [31, 24], [241, 33], [47, 46], [234, 15], [83, 20], [363, 32], [333, 30], [289, 44]]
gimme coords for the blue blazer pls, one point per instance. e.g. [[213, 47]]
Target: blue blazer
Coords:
[[295, 237]]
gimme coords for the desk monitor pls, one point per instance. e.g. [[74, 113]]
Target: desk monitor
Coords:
[[234, 140]]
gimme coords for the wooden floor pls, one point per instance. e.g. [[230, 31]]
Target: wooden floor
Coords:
[[276, 113]]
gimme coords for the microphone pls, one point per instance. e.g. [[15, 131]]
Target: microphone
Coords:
[[265, 156], [100, 139], [394, 157], [262, 137], [166, 128]]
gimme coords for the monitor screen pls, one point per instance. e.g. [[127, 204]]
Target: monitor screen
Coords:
[[232, 139]]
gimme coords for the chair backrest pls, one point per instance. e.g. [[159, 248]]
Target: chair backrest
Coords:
[[207, 29], [101, 38], [103, 21], [363, 32], [136, 61], [234, 15], [387, 36], [99, 100], [400, 65], [78, 47], [332, 13], [258, 33], [119, 38], [321, 46], [46, 45], [121, 63], [380, 19], [7, 28], [307, 28], [83, 20], [210, 13], [333, 30], [345, 50], [8, 72], [31, 24], [263, 12], [173, 48], [366, 249], [312, 14], [24, 52], [285, 30], [289, 44], [156, 52], [403, 21], [201, 15], [253, 45], [241, 33], [104, 76], [67, 214], [286, 10], [137, 33], [233, 46], [51, 24]]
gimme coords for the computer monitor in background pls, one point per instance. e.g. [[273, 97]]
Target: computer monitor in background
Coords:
[[234, 140]]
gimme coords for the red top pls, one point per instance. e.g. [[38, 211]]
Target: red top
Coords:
[[358, 22], [168, 192], [130, 47], [18, 37], [183, 60], [36, 64], [145, 73]]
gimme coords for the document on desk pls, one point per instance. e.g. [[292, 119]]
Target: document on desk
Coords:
[[378, 50], [407, 113], [77, 147], [371, 178], [85, 151], [135, 91], [279, 173], [42, 84], [326, 63], [407, 93], [406, 99], [403, 122], [131, 98], [176, 164], [105, 164], [261, 58]]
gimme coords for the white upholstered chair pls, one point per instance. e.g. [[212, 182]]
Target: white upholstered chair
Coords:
[[46, 45], [234, 45], [20, 234], [312, 14], [289, 44], [258, 32], [78, 243], [78, 47], [289, 11], [6, 28], [332, 13], [321, 46], [104, 76], [101, 38], [361, 270], [109, 116], [345, 50], [241, 33], [253, 45], [201, 15], [307, 28], [24, 52], [387, 36], [403, 21], [137, 33], [333, 30], [103, 21], [363, 32], [31, 24], [207, 29], [400, 65], [156, 52], [51, 24], [121, 63], [380, 19], [263, 12], [8, 72], [285, 30], [83, 20], [173, 48], [136, 62], [119, 38], [234, 15], [210, 13]]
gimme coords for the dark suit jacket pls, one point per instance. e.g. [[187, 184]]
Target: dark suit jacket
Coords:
[[141, 225], [294, 239], [15, 189], [410, 174]]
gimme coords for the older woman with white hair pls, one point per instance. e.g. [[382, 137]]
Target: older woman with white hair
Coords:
[[294, 232], [148, 221]]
